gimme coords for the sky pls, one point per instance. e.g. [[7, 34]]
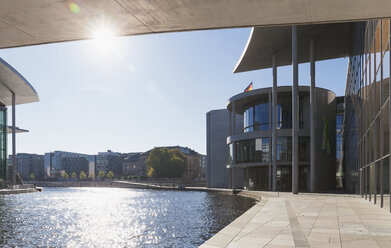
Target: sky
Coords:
[[130, 94]]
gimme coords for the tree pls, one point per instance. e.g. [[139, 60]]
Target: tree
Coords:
[[110, 175], [101, 174], [91, 176], [151, 172], [73, 175], [164, 163], [32, 176], [65, 175], [82, 175]]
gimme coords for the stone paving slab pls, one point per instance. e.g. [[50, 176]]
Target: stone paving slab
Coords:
[[307, 220]]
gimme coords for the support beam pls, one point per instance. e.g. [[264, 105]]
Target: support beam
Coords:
[[233, 132], [13, 141], [312, 114], [295, 140], [274, 123], [381, 132]]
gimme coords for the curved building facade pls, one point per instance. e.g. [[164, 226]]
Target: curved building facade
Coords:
[[250, 150]]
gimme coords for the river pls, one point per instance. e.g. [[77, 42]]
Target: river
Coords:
[[111, 217]]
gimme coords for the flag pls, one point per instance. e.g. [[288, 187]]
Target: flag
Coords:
[[249, 87]]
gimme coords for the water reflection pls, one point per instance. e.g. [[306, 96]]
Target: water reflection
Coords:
[[107, 217]]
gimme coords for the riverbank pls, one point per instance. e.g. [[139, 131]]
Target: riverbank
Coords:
[[127, 184], [17, 191]]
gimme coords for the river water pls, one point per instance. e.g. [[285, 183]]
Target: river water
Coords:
[[110, 217]]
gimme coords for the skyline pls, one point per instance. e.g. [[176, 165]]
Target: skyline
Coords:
[[91, 96]]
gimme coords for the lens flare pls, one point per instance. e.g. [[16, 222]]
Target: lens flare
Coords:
[[74, 7]]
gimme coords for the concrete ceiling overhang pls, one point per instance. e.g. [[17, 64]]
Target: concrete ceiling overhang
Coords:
[[25, 23], [12, 81], [331, 41], [17, 130]]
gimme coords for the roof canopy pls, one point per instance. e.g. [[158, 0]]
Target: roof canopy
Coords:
[[17, 130], [13, 81], [331, 41], [45, 21]]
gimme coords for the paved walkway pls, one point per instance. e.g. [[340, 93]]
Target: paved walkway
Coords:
[[308, 220]]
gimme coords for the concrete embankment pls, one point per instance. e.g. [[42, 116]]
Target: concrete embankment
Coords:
[[17, 191]]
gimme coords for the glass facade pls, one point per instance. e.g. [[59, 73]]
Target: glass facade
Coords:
[[367, 117], [258, 116], [3, 146], [254, 150], [259, 150]]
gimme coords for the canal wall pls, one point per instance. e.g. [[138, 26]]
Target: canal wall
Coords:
[[17, 191]]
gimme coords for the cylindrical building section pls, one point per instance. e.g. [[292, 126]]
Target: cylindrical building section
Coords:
[[253, 145]]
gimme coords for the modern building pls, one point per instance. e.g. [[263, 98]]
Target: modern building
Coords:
[[57, 162], [367, 122], [218, 128], [109, 161], [28, 164], [14, 89], [250, 149]]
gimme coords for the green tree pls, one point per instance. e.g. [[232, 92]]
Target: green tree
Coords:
[[110, 175], [164, 163], [32, 176], [91, 176], [65, 175], [82, 175], [101, 174], [73, 175]]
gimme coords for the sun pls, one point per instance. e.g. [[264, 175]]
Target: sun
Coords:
[[104, 38]]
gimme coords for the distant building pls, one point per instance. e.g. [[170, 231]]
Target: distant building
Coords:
[[58, 161], [193, 166], [204, 162], [109, 161], [135, 165], [76, 164], [218, 128], [27, 164]]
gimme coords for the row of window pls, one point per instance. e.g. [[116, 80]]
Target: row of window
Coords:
[[259, 150], [259, 116]]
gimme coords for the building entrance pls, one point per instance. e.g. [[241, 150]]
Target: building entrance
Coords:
[[257, 178]]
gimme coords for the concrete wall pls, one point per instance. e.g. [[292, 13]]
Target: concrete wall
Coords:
[[217, 131]]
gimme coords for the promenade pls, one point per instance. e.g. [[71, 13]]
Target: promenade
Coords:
[[307, 220]]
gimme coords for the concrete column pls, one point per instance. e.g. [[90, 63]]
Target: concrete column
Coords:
[[233, 132], [233, 177], [295, 137], [13, 141], [312, 114], [274, 128], [381, 120], [389, 122]]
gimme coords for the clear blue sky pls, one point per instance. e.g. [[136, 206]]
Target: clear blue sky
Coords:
[[145, 91]]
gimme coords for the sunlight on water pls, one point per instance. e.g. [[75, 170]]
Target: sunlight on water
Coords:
[[107, 217]]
